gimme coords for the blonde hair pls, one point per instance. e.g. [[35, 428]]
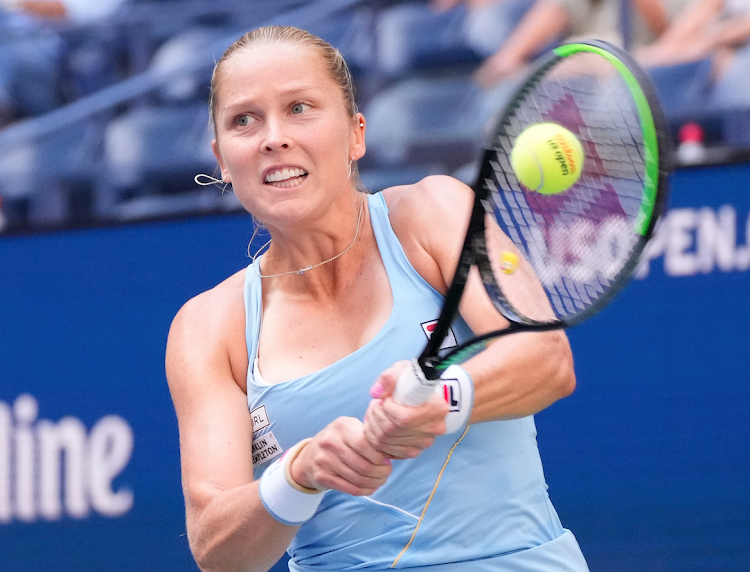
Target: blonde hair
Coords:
[[269, 35]]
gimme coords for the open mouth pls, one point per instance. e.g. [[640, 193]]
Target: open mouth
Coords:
[[285, 178]]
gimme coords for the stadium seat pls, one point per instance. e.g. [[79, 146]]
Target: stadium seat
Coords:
[[682, 88], [53, 175], [411, 36], [154, 150], [439, 119], [415, 36]]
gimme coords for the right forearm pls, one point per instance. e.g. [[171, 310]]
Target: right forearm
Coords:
[[233, 532]]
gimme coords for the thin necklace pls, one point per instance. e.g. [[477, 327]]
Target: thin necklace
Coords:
[[310, 267]]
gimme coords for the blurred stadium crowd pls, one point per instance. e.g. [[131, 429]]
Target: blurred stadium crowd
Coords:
[[103, 103]]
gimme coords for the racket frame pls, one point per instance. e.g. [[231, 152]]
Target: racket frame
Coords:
[[658, 166]]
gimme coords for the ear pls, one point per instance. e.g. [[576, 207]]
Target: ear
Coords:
[[217, 153], [358, 148]]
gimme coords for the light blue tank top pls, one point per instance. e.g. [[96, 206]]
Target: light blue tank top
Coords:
[[474, 501]]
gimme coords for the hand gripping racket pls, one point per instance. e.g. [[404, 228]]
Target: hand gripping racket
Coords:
[[550, 261]]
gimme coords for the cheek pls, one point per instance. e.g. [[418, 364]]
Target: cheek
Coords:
[[236, 157]]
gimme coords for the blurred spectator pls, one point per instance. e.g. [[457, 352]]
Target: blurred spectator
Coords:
[[487, 23], [714, 31], [442, 32], [549, 21], [76, 11], [34, 51]]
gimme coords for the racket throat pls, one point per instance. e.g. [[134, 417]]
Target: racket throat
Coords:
[[428, 367]]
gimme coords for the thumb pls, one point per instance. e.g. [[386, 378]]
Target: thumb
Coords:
[[386, 383]]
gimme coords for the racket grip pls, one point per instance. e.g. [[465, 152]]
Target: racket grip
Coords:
[[412, 387]]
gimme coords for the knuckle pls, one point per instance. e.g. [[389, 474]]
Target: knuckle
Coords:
[[385, 428], [401, 420], [412, 452]]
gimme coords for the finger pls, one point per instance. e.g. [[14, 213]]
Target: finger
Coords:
[[354, 469], [386, 382], [428, 417], [340, 484], [400, 452], [381, 429], [349, 445], [365, 481], [398, 445], [368, 452], [371, 428]]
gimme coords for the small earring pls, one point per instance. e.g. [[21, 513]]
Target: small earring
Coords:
[[361, 124]]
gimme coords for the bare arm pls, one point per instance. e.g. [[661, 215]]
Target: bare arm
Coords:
[[545, 21], [518, 375], [691, 21], [653, 14], [228, 528], [51, 9], [690, 37], [733, 33]]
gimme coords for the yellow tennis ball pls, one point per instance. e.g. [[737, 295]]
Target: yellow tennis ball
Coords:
[[508, 262], [547, 158]]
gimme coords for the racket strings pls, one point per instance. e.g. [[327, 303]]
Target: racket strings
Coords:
[[579, 241]]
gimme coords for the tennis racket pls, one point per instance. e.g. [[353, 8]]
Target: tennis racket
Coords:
[[550, 261]]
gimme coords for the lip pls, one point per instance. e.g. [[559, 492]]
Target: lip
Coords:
[[275, 168]]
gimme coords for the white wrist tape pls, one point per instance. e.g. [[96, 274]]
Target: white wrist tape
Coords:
[[287, 501], [457, 388]]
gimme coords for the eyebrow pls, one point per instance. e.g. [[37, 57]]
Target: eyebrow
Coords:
[[244, 102]]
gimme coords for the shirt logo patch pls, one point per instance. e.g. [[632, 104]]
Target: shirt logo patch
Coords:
[[265, 448], [452, 394], [260, 418], [448, 342]]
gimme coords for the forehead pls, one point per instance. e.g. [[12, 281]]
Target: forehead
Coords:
[[273, 70]]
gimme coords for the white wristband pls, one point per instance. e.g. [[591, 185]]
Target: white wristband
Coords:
[[457, 388], [287, 501]]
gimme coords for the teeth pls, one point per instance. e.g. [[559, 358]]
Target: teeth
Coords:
[[284, 175]]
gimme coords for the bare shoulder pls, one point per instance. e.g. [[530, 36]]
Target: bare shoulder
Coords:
[[206, 366], [430, 219], [435, 196], [210, 328]]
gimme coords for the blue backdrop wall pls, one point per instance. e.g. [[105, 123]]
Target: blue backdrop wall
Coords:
[[648, 462]]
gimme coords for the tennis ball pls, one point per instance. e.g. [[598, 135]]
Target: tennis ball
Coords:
[[508, 262], [547, 158]]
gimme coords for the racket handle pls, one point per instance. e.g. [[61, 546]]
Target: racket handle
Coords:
[[412, 387]]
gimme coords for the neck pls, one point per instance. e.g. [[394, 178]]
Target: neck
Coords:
[[317, 251]]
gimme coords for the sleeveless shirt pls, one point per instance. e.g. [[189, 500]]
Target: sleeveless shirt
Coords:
[[474, 501]]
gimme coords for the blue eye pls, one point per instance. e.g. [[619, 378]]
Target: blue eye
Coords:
[[243, 120], [298, 108]]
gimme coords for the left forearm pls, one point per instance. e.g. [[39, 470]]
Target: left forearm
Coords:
[[520, 375]]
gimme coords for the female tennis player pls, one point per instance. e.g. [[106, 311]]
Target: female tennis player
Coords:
[[282, 375]]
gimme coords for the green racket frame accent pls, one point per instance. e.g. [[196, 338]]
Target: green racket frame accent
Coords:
[[657, 159], [650, 140]]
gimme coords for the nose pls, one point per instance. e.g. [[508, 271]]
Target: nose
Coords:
[[276, 136]]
